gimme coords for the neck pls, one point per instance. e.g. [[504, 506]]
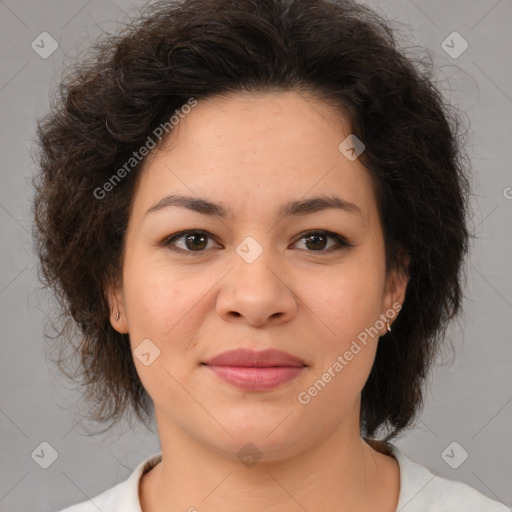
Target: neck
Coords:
[[343, 473]]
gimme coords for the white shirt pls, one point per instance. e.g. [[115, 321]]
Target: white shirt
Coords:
[[420, 491]]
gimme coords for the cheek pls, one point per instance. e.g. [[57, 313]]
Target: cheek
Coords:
[[350, 306], [160, 308], [349, 301], [157, 300]]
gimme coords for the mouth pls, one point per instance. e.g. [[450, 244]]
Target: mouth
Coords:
[[256, 371]]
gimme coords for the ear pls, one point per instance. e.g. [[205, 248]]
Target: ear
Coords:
[[115, 299], [394, 294]]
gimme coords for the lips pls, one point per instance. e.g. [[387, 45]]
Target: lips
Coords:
[[261, 359], [256, 371]]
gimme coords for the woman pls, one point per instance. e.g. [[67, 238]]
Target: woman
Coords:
[[255, 212]]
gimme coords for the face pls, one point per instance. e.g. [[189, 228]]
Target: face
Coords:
[[251, 273]]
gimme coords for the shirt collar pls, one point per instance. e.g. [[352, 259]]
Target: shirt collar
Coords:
[[128, 497], [413, 478]]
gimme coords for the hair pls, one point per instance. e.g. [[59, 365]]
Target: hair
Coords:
[[339, 52]]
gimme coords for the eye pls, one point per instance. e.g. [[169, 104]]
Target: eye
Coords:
[[196, 240], [317, 240], [193, 240]]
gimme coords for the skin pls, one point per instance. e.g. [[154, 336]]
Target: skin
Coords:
[[253, 153]]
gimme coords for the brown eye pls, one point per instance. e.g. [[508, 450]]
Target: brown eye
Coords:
[[196, 241], [189, 241], [317, 241]]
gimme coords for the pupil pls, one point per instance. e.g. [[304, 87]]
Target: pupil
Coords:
[[316, 238], [192, 238]]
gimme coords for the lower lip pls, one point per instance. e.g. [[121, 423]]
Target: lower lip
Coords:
[[252, 378]]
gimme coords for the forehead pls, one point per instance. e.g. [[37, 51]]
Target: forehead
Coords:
[[252, 151]]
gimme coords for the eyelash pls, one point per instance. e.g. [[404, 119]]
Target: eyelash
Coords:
[[167, 242]]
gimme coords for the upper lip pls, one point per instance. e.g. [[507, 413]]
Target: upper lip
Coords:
[[252, 358]]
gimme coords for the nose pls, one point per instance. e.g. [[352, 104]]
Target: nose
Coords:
[[256, 293]]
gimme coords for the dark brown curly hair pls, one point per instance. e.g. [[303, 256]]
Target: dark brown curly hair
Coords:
[[337, 51]]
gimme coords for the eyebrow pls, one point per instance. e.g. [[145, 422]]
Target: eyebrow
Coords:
[[292, 208]]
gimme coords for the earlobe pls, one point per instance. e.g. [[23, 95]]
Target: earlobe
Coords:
[[119, 323], [117, 316], [395, 296]]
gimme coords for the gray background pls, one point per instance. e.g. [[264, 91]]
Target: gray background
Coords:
[[469, 400]]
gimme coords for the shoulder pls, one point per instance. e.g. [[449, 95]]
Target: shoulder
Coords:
[[123, 497], [423, 491]]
